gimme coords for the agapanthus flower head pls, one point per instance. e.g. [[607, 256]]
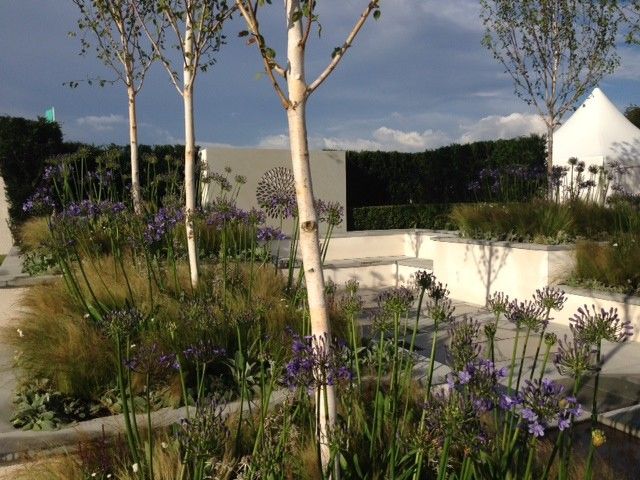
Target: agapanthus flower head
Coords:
[[424, 279], [550, 339], [479, 380], [440, 312], [204, 352], [464, 347], [550, 298], [351, 305], [224, 212], [256, 217], [150, 359], [497, 303], [221, 180], [543, 402], [352, 286], [317, 361], [575, 359], [205, 434], [580, 166], [587, 184], [396, 301], [573, 161], [268, 234], [593, 169], [490, 330], [437, 291], [162, 223], [88, 209], [276, 193], [330, 212], [452, 415], [528, 314], [593, 325], [121, 323], [558, 172], [41, 201]]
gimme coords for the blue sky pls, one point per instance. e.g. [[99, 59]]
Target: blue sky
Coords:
[[417, 78]]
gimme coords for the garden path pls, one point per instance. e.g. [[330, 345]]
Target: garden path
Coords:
[[9, 304]]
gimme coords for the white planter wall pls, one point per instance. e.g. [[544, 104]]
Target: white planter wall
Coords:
[[473, 270]]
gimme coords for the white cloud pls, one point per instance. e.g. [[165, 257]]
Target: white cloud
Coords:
[[102, 123], [494, 127], [464, 14], [383, 138], [274, 141], [410, 141]]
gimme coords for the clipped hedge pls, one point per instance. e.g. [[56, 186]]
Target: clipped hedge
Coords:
[[435, 176], [387, 217], [24, 147]]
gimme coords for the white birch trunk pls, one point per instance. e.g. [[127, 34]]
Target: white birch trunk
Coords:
[[136, 197], [550, 150], [189, 153], [309, 244]]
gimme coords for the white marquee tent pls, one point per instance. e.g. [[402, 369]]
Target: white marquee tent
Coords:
[[598, 133]]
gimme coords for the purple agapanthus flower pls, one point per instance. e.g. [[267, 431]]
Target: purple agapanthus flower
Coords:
[[162, 223], [267, 234], [317, 361]]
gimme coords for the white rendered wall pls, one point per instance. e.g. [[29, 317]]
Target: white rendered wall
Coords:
[[474, 270], [6, 240], [328, 170]]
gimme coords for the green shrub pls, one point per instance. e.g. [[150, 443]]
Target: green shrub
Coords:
[[433, 216]]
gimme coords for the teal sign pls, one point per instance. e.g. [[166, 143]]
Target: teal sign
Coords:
[[50, 115]]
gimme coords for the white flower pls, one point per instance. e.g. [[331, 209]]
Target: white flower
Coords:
[[135, 468], [164, 445], [94, 474], [20, 334], [615, 244]]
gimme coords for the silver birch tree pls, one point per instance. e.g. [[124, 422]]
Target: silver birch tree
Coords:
[[293, 95], [117, 36], [197, 28], [554, 50]]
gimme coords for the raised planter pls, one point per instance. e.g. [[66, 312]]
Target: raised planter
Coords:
[[475, 269]]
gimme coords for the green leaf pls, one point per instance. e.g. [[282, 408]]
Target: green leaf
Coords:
[[376, 14], [243, 33]]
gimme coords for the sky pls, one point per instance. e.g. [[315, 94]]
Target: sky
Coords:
[[416, 79]]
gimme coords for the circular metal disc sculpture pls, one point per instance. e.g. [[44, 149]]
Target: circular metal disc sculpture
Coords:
[[276, 192]]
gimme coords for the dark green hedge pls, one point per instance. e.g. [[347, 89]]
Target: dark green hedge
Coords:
[[435, 176], [433, 216], [24, 147], [28, 146]]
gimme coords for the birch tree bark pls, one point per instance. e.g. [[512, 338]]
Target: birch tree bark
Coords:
[[117, 37], [299, 17], [197, 27]]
